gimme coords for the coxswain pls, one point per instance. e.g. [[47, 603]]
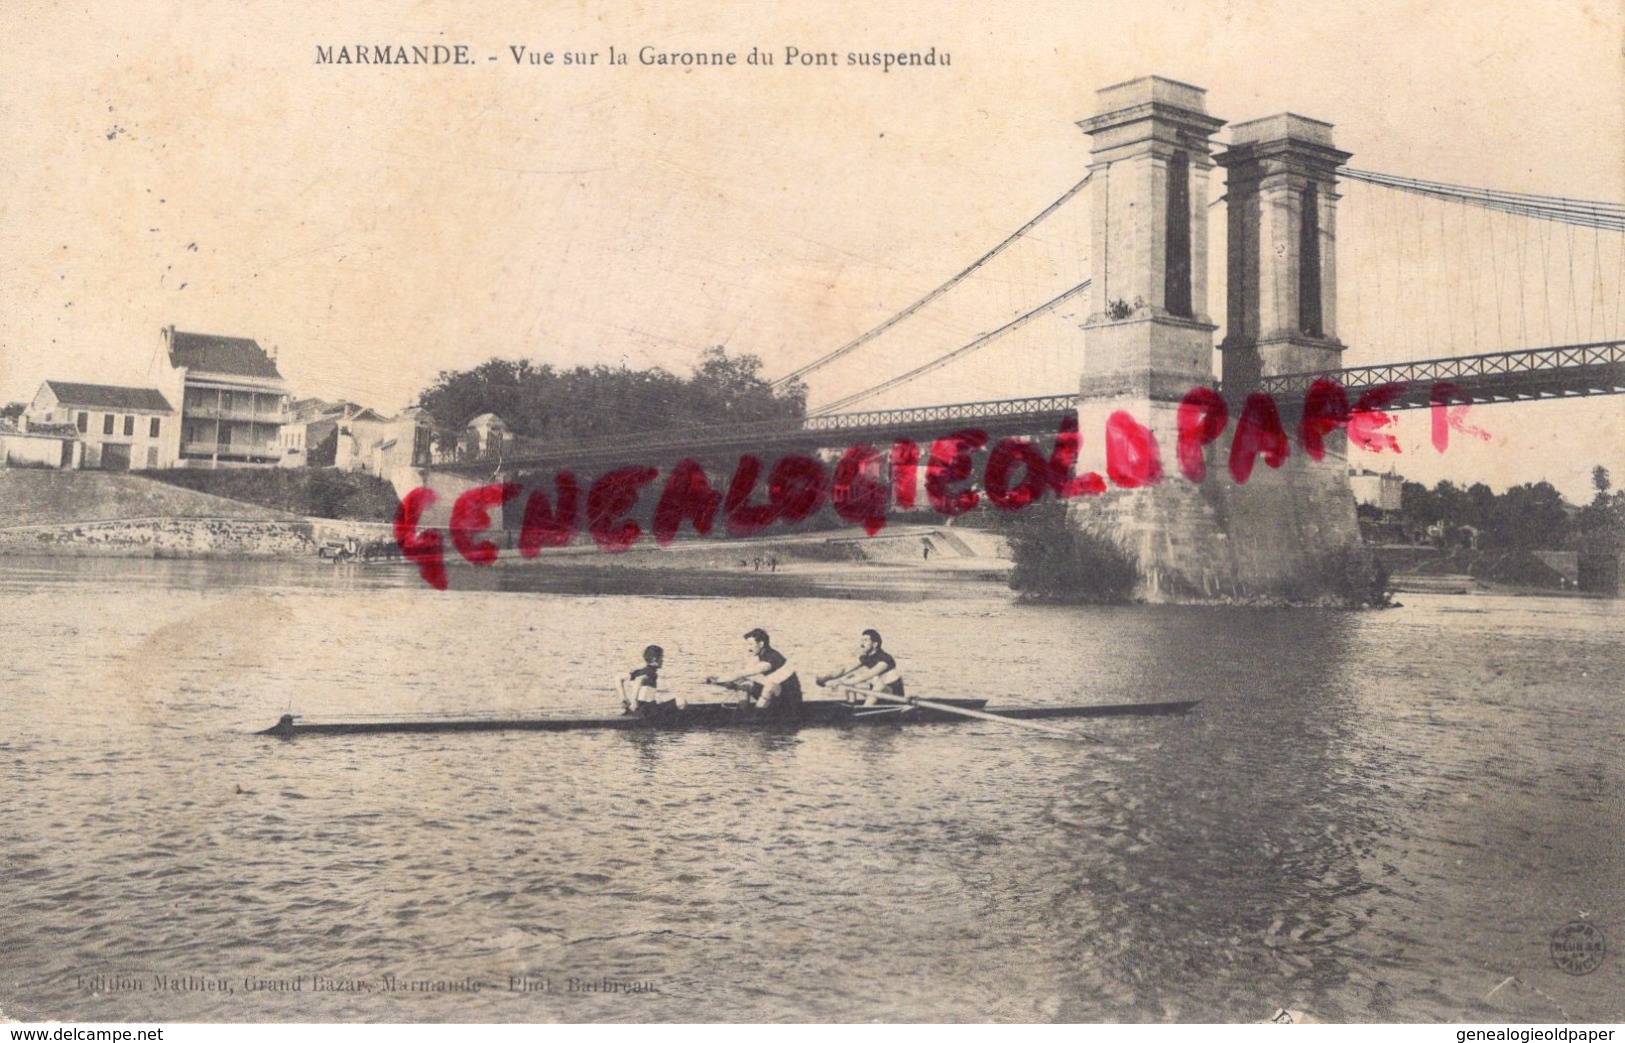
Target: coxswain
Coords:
[[876, 671], [771, 682], [640, 690]]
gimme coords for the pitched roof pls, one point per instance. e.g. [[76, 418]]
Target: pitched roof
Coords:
[[311, 410], [108, 396], [316, 410], [239, 356]]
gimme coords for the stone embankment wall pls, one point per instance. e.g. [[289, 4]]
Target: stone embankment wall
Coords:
[[330, 530], [164, 538], [190, 537]]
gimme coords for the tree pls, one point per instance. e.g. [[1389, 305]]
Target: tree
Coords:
[[1418, 507], [325, 452], [1599, 536], [491, 387], [1602, 521], [1525, 517], [1529, 517], [734, 387], [1453, 503], [13, 410], [602, 401], [1482, 505]]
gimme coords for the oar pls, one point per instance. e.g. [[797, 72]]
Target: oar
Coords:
[[981, 715], [736, 687]]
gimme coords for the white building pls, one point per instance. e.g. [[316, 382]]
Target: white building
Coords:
[[119, 428], [1372, 489], [485, 435], [233, 401]]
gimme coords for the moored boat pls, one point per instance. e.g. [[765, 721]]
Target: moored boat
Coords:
[[813, 713]]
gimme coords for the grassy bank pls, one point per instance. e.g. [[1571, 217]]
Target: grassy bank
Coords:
[[36, 497], [312, 492]]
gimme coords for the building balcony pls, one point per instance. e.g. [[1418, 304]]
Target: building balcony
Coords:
[[258, 416], [266, 451]]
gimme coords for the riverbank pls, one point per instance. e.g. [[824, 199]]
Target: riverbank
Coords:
[[97, 514], [911, 546]]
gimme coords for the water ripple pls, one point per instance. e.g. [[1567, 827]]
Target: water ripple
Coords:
[[1374, 817]]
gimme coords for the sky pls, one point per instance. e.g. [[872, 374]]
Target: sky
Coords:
[[193, 164]]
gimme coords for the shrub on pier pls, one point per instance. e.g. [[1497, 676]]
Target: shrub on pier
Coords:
[[1058, 562]]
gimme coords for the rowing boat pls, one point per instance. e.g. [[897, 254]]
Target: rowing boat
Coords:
[[813, 713]]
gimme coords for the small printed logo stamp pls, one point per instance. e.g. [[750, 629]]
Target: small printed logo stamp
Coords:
[[1578, 947]]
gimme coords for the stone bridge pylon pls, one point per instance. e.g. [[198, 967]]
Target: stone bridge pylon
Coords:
[[1289, 531]]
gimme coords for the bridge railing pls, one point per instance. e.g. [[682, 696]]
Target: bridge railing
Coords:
[[1574, 369]]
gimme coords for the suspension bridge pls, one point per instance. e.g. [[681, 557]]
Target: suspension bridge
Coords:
[[1532, 286]]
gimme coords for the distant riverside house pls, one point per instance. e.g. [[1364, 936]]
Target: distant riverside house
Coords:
[[311, 422], [233, 400], [388, 446], [485, 435], [107, 427], [362, 438], [358, 434], [1372, 489]]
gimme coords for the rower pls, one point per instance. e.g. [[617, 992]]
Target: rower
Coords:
[[771, 681], [640, 690], [875, 671]]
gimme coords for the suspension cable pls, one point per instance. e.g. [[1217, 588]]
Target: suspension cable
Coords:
[[943, 360], [1584, 212], [865, 338]]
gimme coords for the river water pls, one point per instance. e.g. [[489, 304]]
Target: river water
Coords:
[[1372, 816]]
